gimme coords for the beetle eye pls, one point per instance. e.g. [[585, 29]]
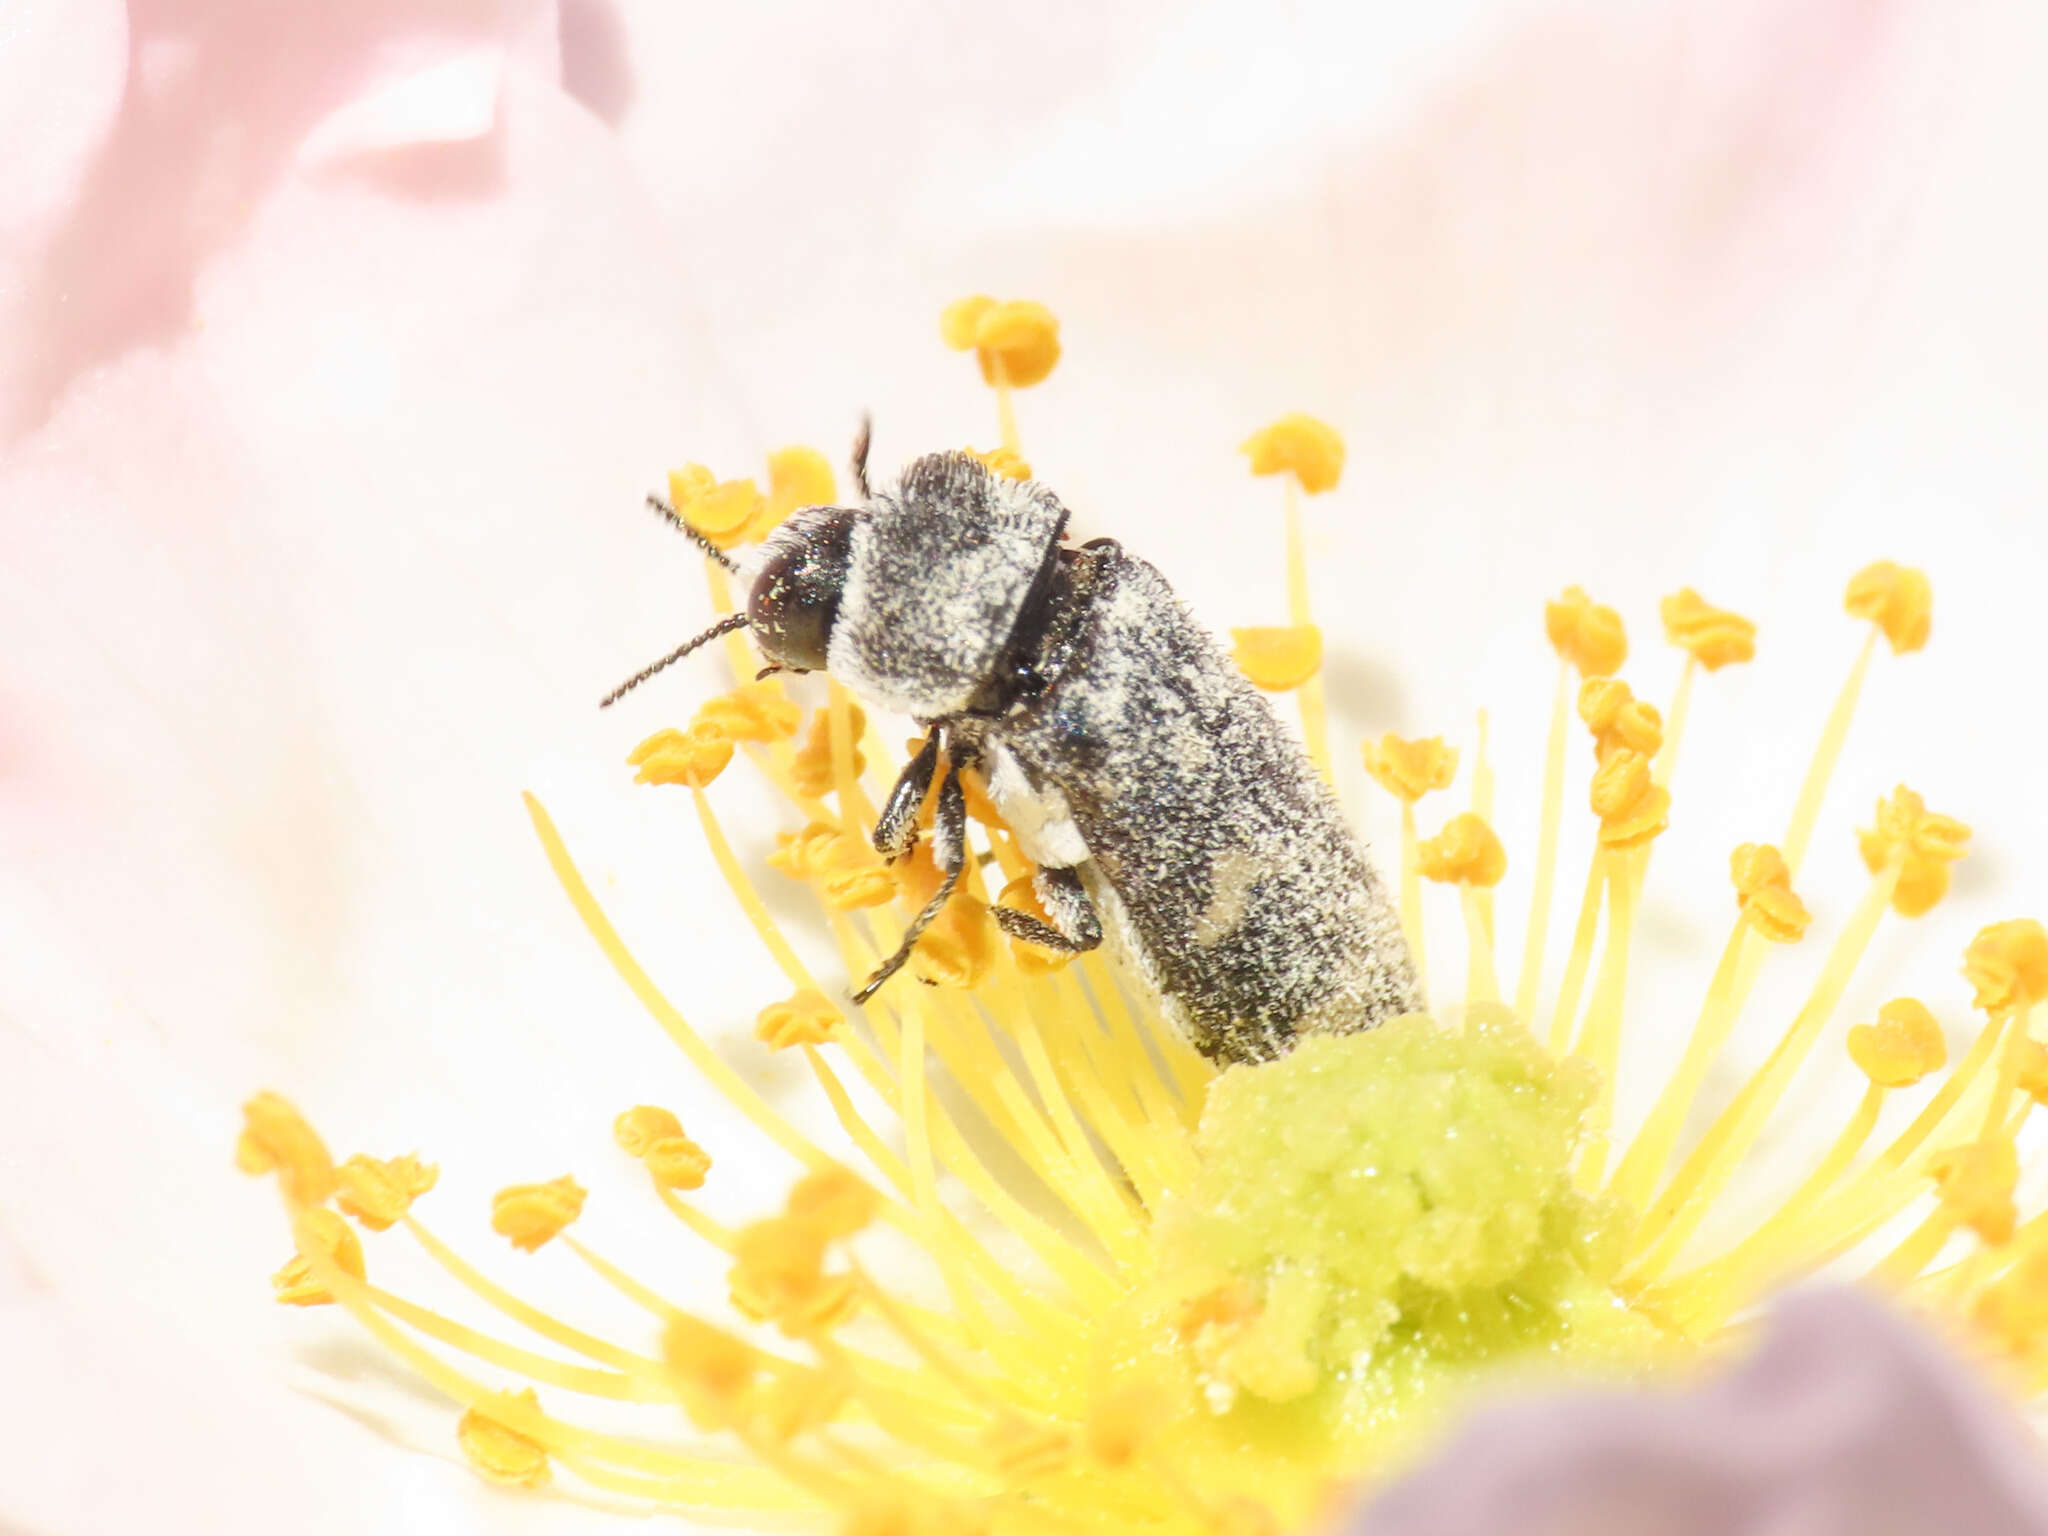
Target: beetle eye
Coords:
[[795, 597]]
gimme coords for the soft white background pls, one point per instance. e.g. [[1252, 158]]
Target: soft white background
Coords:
[[336, 350]]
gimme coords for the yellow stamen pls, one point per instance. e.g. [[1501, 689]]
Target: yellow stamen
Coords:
[[501, 1453], [1763, 893], [1278, 659], [1017, 342], [797, 477], [694, 757], [531, 1214], [1925, 844], [1897, 599], [1678, 1211], [276, 1139], [1902, 1047], [1006, 462], [807, 1017], [1712, 636], [2007, 963], [1530, 983], [317, 1232], [1408, 770], [1587, 634], [723, 511], [1465, 852], [1619, 720], [1298, 444], [378, 1193]]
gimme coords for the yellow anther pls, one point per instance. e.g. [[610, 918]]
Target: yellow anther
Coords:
[[676, 1162], [1021, 337], [656, 1137], [1121, 1424], [1618, 719], [849, 890], [778, 1276], [797, 1402], [1897, 599], [807, 854], [276, 1138], [1631, 808], [1310, 448], [812, 768], [1975, 1184], [1924, 842], [1763, 891], [317, 1230], [637, 1129], [499, 1451], [1465, 852], [378, 1193], [758, 711], [833, 1202], [1011, 466], [797, 477], [1407, 769], [2008, 965], [1278, 657], [1714, 636], [2013, 1309], [709, 1368], [1021, 895], [1902, 1047], [1024, 1452], [722, 510], [533, 1214], [804, 1018], [959, 947], [1587, 634], [694, 757]]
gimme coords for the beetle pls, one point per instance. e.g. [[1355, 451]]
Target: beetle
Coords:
[[1162, 801]]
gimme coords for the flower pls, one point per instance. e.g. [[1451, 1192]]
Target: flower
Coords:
[[340, 557], [1341, 1242]]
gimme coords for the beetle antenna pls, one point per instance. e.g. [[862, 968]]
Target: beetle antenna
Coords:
[[861, 439], [677, 521], [724, 626]]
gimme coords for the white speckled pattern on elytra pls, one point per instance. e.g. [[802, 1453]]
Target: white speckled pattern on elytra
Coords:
[[1124, 742]]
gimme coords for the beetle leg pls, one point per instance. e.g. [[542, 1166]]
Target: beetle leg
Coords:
[[1074, 928], [949, 849], [895, 831]]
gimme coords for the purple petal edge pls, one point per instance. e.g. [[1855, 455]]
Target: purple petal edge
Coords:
[[1849, 1420]]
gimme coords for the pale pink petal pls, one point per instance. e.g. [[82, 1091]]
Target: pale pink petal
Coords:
[[1847, 1420]]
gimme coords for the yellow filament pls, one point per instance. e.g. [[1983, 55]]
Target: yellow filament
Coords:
[[1806, 810], [1531, 980], [1480, 983], [1721, 1151], [1715, 1289], [687, 1479], [1648, 1155], [1565, 1011], [1315, 730], [1674, 725], [1600, 1039], [1411, 895], [1482, 807], [1006, 408]]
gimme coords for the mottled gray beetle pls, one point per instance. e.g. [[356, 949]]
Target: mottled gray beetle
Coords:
[[1147, 778]]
